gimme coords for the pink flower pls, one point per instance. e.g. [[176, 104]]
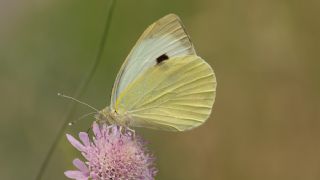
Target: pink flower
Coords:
[[111, 154]]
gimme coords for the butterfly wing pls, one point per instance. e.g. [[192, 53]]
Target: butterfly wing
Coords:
[[166, 38], [176, 94]]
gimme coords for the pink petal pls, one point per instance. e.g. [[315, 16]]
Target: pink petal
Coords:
[[96, 130], [78, 175], [84, 138], [75, 143], [80, 165]]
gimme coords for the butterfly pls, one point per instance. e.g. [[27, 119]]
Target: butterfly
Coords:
[[163, 84]]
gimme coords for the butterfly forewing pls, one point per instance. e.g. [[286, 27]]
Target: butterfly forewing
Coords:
[[164, 39]]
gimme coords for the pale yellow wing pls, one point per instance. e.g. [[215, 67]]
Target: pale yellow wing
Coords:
[[176, 94], [165, 37]]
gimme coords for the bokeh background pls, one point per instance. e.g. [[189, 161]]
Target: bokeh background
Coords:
[[265, 122]]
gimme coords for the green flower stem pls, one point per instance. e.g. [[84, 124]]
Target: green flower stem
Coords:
[[79, 92]]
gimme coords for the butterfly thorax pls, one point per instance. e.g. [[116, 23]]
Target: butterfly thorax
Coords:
[[112, 116]]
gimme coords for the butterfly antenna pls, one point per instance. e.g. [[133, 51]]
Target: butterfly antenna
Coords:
[[81, 117], [69, 97]]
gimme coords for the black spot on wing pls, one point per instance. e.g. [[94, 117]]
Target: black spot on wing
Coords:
[[161, 58]]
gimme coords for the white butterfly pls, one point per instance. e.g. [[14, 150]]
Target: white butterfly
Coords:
[[163, 84]]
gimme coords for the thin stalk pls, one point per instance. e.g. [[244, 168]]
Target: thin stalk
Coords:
[[79, 92]]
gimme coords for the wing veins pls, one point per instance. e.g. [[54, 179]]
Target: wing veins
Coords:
[[171, 90]]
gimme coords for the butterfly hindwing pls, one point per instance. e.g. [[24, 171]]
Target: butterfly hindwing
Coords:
[[177, 94]]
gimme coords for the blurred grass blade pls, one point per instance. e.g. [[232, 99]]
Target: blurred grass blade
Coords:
[[80, 91]]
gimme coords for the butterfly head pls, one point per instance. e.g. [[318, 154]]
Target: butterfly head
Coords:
[[103, 115], [111, 116]]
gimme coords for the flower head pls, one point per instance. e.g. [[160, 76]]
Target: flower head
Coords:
[[112, 154]]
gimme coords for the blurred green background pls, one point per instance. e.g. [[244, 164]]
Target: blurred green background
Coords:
[[266, 119]]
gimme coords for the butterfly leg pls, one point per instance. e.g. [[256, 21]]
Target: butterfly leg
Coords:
[[89, 129], [132, 132], [110, 128]]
